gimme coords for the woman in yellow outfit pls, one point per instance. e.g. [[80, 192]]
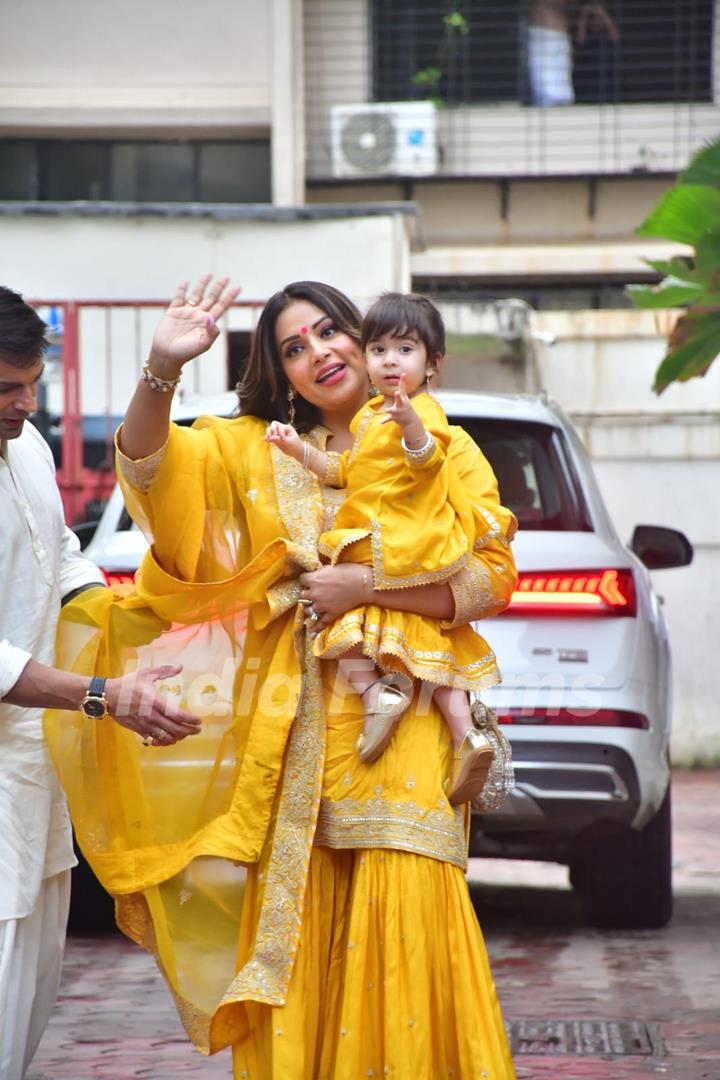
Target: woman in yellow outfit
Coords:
[[305, 909]]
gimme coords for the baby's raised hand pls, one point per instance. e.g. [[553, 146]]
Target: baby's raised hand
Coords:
[[284, 437], [401, 410]]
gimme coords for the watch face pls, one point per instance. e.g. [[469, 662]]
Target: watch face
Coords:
[[94, 707]]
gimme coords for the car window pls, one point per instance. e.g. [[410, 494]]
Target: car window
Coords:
[[534, 471]]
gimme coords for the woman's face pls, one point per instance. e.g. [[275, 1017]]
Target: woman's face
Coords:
[[323, 363]]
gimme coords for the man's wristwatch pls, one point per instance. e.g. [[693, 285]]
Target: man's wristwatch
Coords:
[[94, 704]]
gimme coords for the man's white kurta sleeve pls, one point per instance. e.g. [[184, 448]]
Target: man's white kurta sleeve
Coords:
[[12, 664], [75, 569]]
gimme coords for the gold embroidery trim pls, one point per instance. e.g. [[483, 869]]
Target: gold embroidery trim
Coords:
[[334, 552], [266, 976], [298, 496], [436, 666], [495, 531], [474, 597], [282, 596], [402, 826], [366, 419], [332, 472], [425, 577], [141, 473]]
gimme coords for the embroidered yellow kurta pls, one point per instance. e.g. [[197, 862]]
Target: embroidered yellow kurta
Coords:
[[415, 523], [179, 834]]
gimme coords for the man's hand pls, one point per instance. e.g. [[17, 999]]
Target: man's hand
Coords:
[[134, 702]]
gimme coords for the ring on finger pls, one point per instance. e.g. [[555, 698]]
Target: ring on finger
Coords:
[[149, 740], [305, 601], [191, 302], [312, 614]]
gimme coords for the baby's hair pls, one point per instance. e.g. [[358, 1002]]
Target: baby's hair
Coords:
[[405, 313]]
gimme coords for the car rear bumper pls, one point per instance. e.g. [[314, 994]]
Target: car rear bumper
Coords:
[[561, 790]]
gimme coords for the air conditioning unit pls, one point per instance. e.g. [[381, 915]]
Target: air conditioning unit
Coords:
[[395, 138]]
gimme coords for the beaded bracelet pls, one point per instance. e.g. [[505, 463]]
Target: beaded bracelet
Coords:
[[156, 383]]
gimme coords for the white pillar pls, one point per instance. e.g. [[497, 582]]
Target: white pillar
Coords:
[[288, 104]]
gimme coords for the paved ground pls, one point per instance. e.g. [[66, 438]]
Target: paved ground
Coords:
[[114, 1019]]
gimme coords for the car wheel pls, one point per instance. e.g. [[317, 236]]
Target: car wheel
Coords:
[[625, 878]]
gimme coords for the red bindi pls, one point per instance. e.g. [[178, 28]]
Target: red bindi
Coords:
[[303, 329]]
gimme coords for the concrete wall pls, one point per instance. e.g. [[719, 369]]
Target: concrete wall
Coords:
[[104, 258], [464, 213], [94, 66]]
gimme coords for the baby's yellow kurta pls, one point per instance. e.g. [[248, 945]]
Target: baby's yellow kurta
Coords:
[[414, 523], [270, 873]]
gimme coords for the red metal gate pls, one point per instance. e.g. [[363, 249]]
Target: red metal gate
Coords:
[[80, 484]]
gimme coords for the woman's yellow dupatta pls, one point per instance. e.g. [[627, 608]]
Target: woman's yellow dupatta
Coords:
[[168, 829]]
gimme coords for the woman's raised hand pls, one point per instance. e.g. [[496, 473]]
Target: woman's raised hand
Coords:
[[188, 327]]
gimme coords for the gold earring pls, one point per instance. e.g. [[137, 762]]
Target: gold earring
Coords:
[[291, 405]]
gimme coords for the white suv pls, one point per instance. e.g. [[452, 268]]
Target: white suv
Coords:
[[585, 659]]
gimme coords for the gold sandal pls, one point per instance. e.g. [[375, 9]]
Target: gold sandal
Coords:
[[393, 699], [471, 766]]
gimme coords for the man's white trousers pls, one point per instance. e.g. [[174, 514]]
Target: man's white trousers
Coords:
[[31, 952]]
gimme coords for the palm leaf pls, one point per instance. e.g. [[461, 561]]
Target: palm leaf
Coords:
[[680, 266], [668, 294], [704, 169], [685, 214], [707, 257], [696, 338]]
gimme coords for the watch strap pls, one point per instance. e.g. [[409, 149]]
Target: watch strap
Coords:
[[97, 686]]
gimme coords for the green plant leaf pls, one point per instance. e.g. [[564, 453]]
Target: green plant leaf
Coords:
[[429, 76], [694, 344], [707, 256], [457, 21], [704, 169], [669, 293], [684, 214], [680, 266]]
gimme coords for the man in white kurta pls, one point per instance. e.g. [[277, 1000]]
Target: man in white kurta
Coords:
[[40, 562], [40, 567]]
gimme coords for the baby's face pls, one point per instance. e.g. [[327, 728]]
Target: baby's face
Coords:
[[395, 354]]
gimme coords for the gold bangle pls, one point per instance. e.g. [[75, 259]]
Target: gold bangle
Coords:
[[156, 383]]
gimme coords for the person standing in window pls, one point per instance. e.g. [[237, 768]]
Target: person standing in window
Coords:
[[551, 26]]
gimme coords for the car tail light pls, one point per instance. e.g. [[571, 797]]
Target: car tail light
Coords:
[[577, 592], [622, 718], [119, 577]]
